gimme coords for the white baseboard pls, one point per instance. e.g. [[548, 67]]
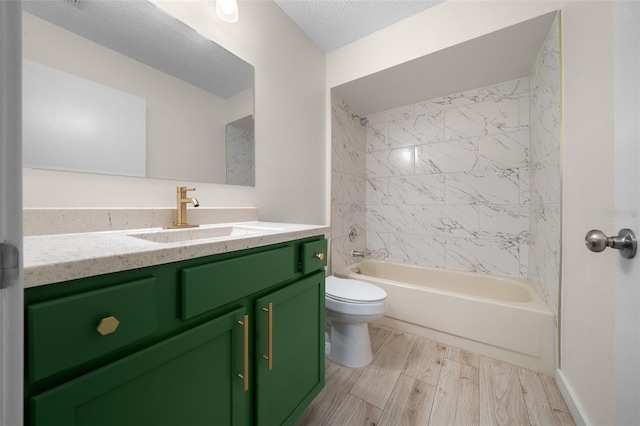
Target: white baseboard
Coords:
[[578, 413]]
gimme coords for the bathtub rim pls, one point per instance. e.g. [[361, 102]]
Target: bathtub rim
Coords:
[[536, 304]]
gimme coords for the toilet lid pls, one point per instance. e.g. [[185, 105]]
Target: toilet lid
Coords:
[[354, 291]]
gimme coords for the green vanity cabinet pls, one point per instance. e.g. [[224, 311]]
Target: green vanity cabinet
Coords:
[[290, 358], [229, 339], [63, 332], [189, 379]]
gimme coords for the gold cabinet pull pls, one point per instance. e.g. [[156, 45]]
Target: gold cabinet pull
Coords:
[[320, 256], [108, 325], [269, 355], [245, 352]]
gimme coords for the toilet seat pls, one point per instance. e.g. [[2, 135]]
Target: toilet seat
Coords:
[[350, 308], [353, 291]]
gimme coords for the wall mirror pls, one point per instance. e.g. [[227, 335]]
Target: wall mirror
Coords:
[[121, 87]]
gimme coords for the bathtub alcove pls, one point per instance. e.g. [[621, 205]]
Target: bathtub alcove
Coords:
[[453, 184]]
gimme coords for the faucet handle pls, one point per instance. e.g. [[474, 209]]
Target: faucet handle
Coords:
[[184, 189]]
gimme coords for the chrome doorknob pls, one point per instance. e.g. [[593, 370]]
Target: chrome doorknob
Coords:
[[625, 241]]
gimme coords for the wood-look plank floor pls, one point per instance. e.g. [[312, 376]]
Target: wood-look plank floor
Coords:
[[414, 381]]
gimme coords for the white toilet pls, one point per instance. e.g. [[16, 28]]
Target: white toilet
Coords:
[[350, 306]]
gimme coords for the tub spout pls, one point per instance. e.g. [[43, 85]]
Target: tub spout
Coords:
[[357, 253]]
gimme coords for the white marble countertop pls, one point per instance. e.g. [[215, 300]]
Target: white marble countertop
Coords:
[[57, 258]]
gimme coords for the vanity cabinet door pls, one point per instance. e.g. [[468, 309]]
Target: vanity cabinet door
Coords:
[[290, 331], [189, 379]]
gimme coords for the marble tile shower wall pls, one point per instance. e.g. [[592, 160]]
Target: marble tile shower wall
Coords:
[[544, 260], [348, 170], [447, 181]]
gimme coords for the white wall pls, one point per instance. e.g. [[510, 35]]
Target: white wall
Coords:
[[290, 128], [290, 104], [588, 302]]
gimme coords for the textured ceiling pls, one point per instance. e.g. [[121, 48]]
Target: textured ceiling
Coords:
[[140, 30], [334, 23]]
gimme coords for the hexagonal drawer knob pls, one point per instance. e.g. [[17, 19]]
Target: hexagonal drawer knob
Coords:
[[108, 325]]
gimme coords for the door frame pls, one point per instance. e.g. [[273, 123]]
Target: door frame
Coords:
[[11, 298], [626, 120]]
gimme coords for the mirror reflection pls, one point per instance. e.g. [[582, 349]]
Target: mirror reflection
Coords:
[[141, 88], [240, 152]]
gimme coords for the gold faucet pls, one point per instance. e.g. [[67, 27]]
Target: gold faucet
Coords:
[[182, 201]]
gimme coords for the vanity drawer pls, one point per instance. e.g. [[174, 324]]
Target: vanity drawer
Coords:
[[210, 286], [313, 256], [69, 331]]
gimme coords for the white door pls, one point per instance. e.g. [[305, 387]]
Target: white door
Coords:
[[11, 311], [626, 68]]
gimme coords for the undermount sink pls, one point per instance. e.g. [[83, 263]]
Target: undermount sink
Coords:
[[201, 233]]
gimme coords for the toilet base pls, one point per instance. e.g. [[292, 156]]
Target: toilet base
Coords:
[[350, 345]]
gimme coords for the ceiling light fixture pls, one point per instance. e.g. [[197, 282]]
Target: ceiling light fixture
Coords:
[[227, 10]]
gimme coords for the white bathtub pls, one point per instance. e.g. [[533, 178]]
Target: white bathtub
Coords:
[[499, 317]]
